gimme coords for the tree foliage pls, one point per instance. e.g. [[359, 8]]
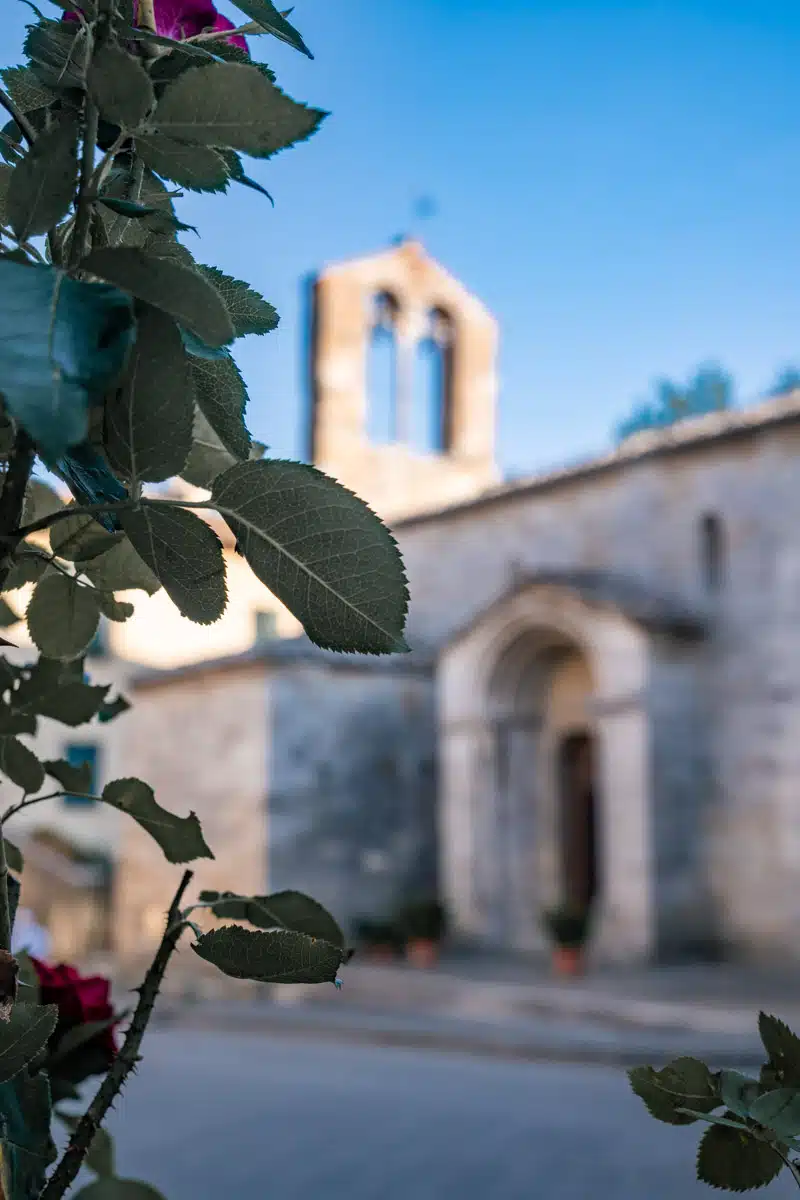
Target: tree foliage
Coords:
[[117, 372], [711, 389]]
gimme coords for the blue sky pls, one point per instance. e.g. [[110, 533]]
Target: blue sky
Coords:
[[620, 183]]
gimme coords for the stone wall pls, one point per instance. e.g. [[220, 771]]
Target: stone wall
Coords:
[[352, 790]]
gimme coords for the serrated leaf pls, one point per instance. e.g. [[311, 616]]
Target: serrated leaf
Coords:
[[120, 86], [24, 1035], [222, 398], [122, 187], [277, 957], [150, 217], [116, 610], [281, 910], [734, 1161], [20, 765], [265, 14], [197, 168], [118, 1189], [28, 567], [185, 555], [120, 569], [685, 1083], [779, 1111], [233, 106], [74, 780], [73, 703], [13, 722], [57, 52], [62, 342], [26, 89], [208, 457], [14, 857], [320, 550], [249, 312], [100, 1157], [149, 417], [80, 538], [40, 501], [42, 185], [180, 838], [738, 1092], [177, 290], [783, 1048], [7, 615], [115, 708], [237, 174], [27, 1145], [62, 617]]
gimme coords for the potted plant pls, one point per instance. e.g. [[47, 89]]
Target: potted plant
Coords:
[[423, 924], [379, 938], [568, 927]]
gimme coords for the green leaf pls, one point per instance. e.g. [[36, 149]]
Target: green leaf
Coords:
[[121, 569], [77, 781], [119, 86], [233, 105], [150, 216], [684, 1083], [149, 418], [237, 173], [40, 501], [42, 185], [12, 722], [320, 550], [268, 17], [26, 90], [180, 838], [100, 1157], [115, 708], [24, 1036], [80, 538], [57, 50], [249, 312], [278, 957], [21, 765], [166, 284], [783, 1048], [27, 1145], [73, 703], [208, 457], [7, 615], [221, 397], [734, 1161], [282, 910], [738, 1092], [123, 188], [61, 343], [779, 1111], [62, 617], [118, 1189], [197, 168], [116, 610], [29, 566], [27, 978], [14, 857], [185, 555]]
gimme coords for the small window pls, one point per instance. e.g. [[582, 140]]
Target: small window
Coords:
[[266, 626], [79, 755], [432, 401], [382, 370], [712, 552]]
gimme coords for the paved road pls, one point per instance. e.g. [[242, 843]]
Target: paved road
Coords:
[[213, 1116]]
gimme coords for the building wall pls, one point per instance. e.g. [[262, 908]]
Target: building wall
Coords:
[[201, 744], [352, 791], [642, 520]]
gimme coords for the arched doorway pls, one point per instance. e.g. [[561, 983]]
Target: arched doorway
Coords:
[[578, 820]]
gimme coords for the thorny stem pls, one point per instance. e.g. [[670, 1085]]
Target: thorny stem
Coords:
[[27, 801], [127, 1058], [5, 909], [83, 207], [21, 120]]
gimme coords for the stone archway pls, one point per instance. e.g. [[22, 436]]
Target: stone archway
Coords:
[[541, 667]]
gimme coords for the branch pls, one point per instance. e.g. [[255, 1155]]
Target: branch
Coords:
[[83, 206], [23, 124], [27, 801], [93, 510], [127, 1058], [5, 910], [251, 29], [12, 499]]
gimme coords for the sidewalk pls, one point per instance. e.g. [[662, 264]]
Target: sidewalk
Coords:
[[510, 1008]]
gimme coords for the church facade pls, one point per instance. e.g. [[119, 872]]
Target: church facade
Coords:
[[602, 703]]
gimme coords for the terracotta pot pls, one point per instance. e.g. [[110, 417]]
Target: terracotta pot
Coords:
[[568, 961], [422, 952]]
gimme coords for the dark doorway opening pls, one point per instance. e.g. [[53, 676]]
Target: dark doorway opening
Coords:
[[578, 821]]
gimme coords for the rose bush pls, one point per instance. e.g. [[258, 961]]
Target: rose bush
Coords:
[[181, 19], [83, 1042]]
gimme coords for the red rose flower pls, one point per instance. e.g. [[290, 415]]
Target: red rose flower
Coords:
[[179, 19], [80, 999]]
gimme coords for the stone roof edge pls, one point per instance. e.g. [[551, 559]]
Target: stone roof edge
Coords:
[[282, 652], [688, 434]]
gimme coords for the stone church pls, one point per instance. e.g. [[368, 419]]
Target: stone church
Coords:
[[603, 696]]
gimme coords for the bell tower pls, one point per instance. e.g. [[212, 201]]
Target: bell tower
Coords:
[[403, 382]]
